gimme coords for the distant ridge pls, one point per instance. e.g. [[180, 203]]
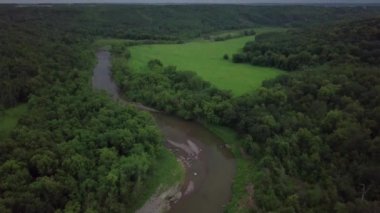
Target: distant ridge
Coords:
[[176, 2]]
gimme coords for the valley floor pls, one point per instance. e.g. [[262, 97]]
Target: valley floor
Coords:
[[206, 59]]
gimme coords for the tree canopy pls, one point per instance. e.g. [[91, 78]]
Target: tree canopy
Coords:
[[353, 43], [313, 134]]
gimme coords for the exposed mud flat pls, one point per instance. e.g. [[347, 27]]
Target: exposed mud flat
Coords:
[[210, 166], [161, 200]]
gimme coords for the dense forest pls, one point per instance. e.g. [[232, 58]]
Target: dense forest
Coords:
[[314, 134], [182, 93], [74, 150], [319, 125], [357, 42]]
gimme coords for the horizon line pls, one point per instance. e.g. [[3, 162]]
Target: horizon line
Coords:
[[194, 3]]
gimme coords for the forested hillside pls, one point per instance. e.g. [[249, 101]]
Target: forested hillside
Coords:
[[314, 133], [181, 22], [315, 137], [35, 40], [74, 150], [357, 42]]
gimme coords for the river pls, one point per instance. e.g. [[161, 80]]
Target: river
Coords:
[[209, 166]]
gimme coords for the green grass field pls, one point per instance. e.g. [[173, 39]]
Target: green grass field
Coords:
[[9, 118], [206, 58]]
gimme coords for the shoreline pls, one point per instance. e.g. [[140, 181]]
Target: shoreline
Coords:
[[162, 199]]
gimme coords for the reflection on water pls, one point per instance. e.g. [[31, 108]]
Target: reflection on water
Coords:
[[102, 78]]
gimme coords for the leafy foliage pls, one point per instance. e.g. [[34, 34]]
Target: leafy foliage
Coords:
[[357, 42], [178, 92], [74, 150], [314, 136]]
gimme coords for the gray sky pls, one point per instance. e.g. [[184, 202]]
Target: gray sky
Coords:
[[189, 1]]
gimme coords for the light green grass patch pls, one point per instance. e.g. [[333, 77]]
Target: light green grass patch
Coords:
[[167, 172], [9, 119], [206, 59]]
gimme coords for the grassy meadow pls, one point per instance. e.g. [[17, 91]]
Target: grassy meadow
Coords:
[[206, 58], [9, 119]]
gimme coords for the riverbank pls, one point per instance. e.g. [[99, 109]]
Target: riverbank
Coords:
[[242, 199], [166, 171], [163, 185], [210, 167], [242, 196]]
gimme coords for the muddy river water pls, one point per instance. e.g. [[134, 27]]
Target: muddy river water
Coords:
[[209, 166]]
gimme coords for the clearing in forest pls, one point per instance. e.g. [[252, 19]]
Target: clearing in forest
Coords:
[[9, 119], [206, 58]]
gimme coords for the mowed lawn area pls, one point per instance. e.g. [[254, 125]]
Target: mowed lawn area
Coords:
[[206, 58]]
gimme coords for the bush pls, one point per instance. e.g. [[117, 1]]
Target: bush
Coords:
[[238, 58], [155, 64]]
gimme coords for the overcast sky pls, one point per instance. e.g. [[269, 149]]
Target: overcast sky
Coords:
[[189, 1]]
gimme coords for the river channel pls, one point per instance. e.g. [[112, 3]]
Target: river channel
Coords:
[[209, 166]]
